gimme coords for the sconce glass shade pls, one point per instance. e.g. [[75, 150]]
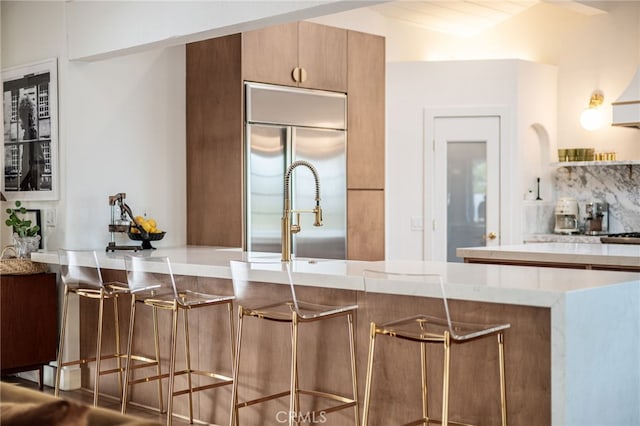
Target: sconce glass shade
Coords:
[[592, 117]]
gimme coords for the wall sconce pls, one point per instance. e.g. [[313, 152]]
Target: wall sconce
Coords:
[[592, 117]]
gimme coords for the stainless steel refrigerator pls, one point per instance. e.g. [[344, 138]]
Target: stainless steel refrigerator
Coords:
[[286, 124]]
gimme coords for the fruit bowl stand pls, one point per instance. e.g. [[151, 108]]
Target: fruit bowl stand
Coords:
[[146, 241]]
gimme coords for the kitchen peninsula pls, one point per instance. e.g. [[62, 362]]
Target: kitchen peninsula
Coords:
[[572, 352], [613, 257]]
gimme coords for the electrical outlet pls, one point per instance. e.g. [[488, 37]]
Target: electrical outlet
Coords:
[[50, 218]]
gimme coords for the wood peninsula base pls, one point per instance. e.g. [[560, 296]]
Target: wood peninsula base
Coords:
[[324, 359]]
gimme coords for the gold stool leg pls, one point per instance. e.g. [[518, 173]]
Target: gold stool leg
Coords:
[[96, 385], [293, 411], [236, 364], [354, 377], [172, 363], [233, 357], [63, 329], [425, 384], [117, 336], [157, 349], [185, 317], [445, 379], [503, 390], [369, 379], [127, 369]]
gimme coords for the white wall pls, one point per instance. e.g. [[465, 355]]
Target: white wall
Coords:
[[43, 38], [126, 133], [121, 129], [414, 86]]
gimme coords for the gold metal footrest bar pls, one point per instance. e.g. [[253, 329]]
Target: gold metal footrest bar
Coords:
[[111, 371], [326, 395], [209, 374], [263, 399], [141, 358], [336, 408], [145, 365], [201, 388], [88, 360], [428, 421], [148, 379]]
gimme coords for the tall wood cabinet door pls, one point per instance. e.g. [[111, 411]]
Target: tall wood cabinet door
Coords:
[[365, 224], [270, 55], [322, 53], [366, 111], [214, 142]]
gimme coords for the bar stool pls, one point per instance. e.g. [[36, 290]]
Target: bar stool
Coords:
[[426, 329], [254, 301], [80, 273], [151, 282]]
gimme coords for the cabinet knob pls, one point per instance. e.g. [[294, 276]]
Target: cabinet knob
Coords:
[[299, 74], [491, 235]]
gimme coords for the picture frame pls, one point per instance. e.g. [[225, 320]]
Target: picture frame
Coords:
[[30, 117], [36, 218]]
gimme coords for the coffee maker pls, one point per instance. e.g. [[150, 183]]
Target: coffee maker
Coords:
[[566, 212], [596, 220]]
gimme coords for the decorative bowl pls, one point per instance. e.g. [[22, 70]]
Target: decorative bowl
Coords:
[[152, 237], [146, 241]]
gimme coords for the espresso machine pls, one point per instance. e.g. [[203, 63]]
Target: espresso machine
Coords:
[[596, 220], [566, 213]]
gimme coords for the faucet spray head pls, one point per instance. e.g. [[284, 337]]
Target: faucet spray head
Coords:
[[318, 213]]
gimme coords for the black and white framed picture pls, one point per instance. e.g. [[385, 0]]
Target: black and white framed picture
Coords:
[[30, 114]]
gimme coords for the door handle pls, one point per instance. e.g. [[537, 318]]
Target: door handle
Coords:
[[491, 235]]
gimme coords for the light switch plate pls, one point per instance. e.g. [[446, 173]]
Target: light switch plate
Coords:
[[417, 223], [50, 217]]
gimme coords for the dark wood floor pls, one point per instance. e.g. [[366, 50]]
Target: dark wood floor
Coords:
[[86, 397]]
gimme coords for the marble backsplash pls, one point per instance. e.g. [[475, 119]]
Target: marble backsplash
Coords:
[[618, 185]]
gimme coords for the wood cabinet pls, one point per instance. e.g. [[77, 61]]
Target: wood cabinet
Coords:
[[216, 71], [29, 322], [365, 219], [301, 54], [214, 142], [366, 112]]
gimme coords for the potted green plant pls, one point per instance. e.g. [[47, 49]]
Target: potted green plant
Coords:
[[25, 234]]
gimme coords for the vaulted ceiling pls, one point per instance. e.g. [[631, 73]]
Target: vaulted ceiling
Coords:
[[466, 17]]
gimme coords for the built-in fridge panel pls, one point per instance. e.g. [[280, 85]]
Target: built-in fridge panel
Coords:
[[266, 165], [284, 125], [325, 149]]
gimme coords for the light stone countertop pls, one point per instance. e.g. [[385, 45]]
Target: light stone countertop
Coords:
[[595, 315], [623, 255], [518, 285]]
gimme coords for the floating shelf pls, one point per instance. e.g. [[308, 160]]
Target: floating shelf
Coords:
[[596, 163]]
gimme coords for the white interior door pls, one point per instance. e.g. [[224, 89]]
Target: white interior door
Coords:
[[465, 184]]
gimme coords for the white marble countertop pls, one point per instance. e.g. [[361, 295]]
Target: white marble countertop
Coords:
[[605, 303], [559, 238], [586, 254], [518, 285]]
